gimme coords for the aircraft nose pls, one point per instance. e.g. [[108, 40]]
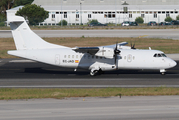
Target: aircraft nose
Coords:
[[173, 63]]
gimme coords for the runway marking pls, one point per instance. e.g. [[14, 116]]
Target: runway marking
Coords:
[[143, 36], [19, 61], [154, 109], [89, 86]]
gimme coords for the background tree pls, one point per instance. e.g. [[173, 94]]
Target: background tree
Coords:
[[177, 18], [168, 19], [64, 22], [35, 14], [5, 5], [139, 20], [22, 2], [92, 21]]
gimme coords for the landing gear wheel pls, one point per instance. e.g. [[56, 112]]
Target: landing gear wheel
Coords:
[[163, 73], [93, 73]]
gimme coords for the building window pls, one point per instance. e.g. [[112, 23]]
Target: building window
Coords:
[[65, 14], [155, 15], [89, 15], [113, 15], [167, 15], [53, 15], [77, 15], [130, 15], [142, 15], [159, 12], [57, 12]]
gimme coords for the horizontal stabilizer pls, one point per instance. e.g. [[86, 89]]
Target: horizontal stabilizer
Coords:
[[15, 19]]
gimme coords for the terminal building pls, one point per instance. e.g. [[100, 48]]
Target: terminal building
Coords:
[[77, 12]]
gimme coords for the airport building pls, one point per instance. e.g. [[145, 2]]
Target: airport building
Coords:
[[76, 12]]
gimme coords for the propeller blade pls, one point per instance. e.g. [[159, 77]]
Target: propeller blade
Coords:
[[116, 52]]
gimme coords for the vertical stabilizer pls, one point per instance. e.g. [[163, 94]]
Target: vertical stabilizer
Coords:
[[25, 38]]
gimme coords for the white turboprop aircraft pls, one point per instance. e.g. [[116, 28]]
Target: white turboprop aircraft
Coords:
[[95, 59]]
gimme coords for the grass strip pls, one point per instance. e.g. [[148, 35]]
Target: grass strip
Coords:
[[61, 93], [86, 27]]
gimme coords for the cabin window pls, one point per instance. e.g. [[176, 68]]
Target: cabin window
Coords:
[[72, 56], [76, 56], [80, 56], [133, 57], [96, 57], [64, 56], [68, 56]]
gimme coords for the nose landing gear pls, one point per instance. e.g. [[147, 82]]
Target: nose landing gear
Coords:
[[163, 71]]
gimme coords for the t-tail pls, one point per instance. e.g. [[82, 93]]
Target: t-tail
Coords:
[[25, 38]]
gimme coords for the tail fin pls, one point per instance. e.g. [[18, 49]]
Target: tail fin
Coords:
[[25, 38]]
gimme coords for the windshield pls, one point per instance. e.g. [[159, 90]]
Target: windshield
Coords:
[[160, 55]]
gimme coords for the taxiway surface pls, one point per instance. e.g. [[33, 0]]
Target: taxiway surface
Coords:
[[25, 73], [146, 33], [112, 108]]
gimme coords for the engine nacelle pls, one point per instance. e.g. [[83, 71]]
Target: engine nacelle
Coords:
[[105, 52]]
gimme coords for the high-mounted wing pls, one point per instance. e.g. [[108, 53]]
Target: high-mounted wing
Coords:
[[114, 45], [90, 50]]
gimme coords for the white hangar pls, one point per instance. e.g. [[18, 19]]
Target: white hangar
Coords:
[[76, 12]]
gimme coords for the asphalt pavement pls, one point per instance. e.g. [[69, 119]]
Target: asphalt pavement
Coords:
[[146, 33], [109, 108], [24, 73]]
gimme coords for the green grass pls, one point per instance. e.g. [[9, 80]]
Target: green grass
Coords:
[[12, 93]]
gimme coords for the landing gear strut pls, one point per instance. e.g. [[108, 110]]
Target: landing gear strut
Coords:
[[163, 71]]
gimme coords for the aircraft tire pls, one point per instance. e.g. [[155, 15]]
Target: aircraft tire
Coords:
[[93, 73]]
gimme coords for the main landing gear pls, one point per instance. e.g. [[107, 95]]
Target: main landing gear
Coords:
[[96, 72]]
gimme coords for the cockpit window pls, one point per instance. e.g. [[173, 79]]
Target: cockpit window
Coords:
[[160, 55], [164, 55]]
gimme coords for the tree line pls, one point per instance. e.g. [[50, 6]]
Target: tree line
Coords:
[[9, 4]]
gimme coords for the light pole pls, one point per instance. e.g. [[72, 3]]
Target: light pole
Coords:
[[81, 12], [115, 14], [61, 14]]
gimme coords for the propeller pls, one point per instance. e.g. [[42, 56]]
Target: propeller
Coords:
[[133, 46], [116, 52]]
